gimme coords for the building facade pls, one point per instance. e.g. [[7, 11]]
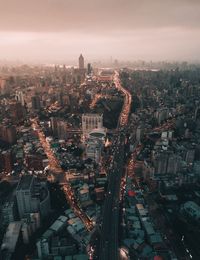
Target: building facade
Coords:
[[32, 197], [91, 122]]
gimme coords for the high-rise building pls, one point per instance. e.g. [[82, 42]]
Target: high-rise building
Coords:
[[8, 134], [11, 134], [139, 133], [54, 125], [17, 111], [161, 114], [62, 129], [197, 113], [32, 197], [173, 164], [19, 96], [89, 69], [4, 86], [35, 100], [29, 225], [6, 160], [189, 157], [81, 62], [166, 162], [12, 239], [8, 212], [161, 163], [90, 122]]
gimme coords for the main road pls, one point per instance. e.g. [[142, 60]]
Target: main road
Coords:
[[109, 233], [58, 171]]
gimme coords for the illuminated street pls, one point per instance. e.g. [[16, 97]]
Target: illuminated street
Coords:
[[109, 235], [57, 170]]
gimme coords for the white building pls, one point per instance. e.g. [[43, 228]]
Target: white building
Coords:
[[95, 143], [19, 96], [93, 150], [91, 122]]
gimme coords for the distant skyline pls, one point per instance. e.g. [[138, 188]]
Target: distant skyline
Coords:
[[59, 30]]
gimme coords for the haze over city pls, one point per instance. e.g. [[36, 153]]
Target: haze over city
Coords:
[[58, 30], [99, 130]]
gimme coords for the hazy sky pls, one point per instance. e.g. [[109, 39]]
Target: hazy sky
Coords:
[[58, 30]]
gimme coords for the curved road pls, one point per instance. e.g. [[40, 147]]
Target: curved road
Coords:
[[57, 170]]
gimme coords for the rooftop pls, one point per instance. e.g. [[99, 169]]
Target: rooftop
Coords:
[[192, 208], [25, 182], [11, 237]]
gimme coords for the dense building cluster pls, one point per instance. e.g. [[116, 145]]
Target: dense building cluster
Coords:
[[83, 150]]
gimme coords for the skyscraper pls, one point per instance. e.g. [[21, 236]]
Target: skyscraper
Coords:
[[89, 69], [81, 62], [35, 100], [6, 161], [19, 96], [32, 197]]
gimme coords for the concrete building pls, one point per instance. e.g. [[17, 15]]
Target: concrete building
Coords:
[[29, 225], [191, 210], [95, 143], [4, 86], [161, 114], [54, 125], [93, 150], [161, 163], [42, 248], [43, 244], [139, 133], [81, 62], [9, 212], [8, 133], [189, 156], [10, 240], [89, 69], [166, 162], [32, 197], [19, 96], [91, 122], [6, 161], [17, 112], [62, 129], [173, 164], [35, 101], [62, 247], [84, 194]]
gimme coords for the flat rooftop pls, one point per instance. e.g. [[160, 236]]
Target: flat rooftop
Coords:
[[11, 237]]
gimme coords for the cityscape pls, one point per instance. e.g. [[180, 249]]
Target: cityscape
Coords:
[[100, 149]]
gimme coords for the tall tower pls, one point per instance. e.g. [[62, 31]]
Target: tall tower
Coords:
[[81, 62]]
